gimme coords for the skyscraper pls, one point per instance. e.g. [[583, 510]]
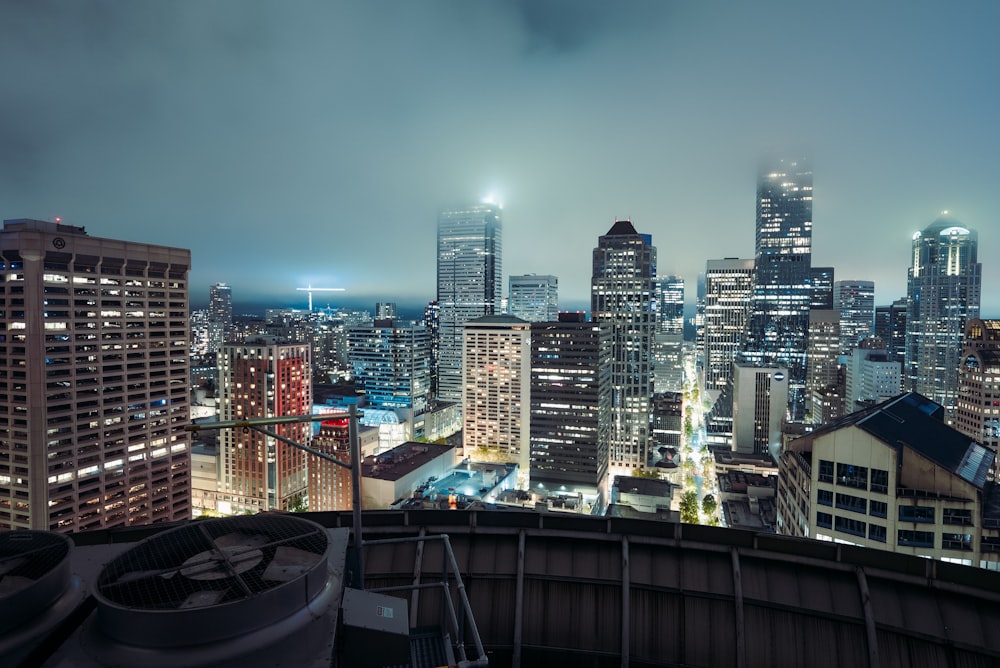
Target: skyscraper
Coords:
[[624, 264], [496, 397], [977, 414], [822, 288], [391, 364], [570, 402], [728, 288], [890, 326], [220, 315], [943, 293], [856, 302], [668, 346], [779, 317], [259, 378], [95, 391], [534, 298], [469, 268]]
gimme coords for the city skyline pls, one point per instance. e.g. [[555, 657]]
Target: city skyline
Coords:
[[219, 127]]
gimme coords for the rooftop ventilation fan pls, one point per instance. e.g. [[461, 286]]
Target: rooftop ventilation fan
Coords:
[[35, 578], [213, 582]]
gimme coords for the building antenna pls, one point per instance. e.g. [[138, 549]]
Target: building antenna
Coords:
[[311, 290]]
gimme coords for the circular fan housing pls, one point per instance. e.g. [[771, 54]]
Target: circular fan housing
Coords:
[[34, 573], [211, 580]]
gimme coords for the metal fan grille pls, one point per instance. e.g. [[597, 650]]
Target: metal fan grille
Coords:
[[28, 555], [213, 562]]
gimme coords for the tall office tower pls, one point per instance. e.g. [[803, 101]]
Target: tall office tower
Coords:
[[220, 315], [872, 377], [943, 293], [977, 413], [432, 321], [699, 323], [385, 311], [496, 397], [469, 268], [759, 404], [570, 403], [890, 326], [822, 288], [95, 391], [668, 340], [391, 364], [259, 378], [779, 309], [330, 484], [824, 348], [728, 288], [856, 302], [621, 294], [534, 298]]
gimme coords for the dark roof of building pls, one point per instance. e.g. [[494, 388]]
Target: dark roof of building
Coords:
[[645, 486], [621, 228], [401, 460], [914, 421]]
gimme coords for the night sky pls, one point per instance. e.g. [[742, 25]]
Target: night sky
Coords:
[[288, 143]]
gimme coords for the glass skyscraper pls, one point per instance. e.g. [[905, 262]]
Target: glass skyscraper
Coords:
[[943, 292], [622, 294], [469, 253], [534, 298], [856, 302], [777, 329]]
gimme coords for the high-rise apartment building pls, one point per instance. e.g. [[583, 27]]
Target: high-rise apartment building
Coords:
[[95, 388], [668, 340], [779, 309], [943, 292], [391, 364], [496, 397], [977, 412], [329, 484], [728, 288], [890, 326], [856, 302], [622, 294], [259, 378], [469, 269], [570, 403], [534, 298], [220, 315]]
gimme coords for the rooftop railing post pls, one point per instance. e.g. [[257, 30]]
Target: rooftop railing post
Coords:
[[356, 490]]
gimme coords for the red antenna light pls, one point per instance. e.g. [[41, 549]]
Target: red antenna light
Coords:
[[58, 219]]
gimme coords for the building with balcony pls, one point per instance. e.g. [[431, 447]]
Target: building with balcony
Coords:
[[94, 380]]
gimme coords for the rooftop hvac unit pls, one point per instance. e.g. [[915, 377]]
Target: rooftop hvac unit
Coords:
[[241, 591], [38, 591]]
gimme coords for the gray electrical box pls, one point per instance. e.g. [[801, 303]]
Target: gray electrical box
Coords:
[[375, 629]]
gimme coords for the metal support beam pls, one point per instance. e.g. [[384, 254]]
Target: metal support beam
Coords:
[[741, 649], [866, 605], [519, 601], [626, 602], [417, 569]]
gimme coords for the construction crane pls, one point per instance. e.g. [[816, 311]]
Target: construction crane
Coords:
[[311, 290]]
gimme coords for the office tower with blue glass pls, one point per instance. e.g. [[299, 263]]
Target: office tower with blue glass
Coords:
[[777, 329]]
